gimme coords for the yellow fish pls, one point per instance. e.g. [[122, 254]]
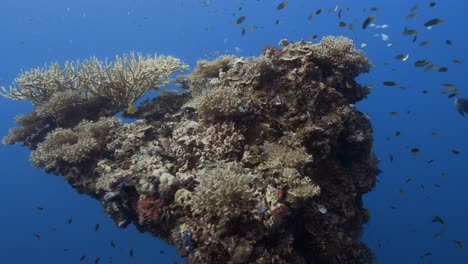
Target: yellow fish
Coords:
[[131, 109]]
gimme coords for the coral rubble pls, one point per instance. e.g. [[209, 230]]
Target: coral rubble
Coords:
[[261, 160]]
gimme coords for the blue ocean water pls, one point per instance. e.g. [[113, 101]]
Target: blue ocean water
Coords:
[[412, 189]]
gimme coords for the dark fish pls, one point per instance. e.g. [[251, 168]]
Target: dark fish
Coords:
[[37, 236], [282, 5], [407, 180], [131, 253], [443, 69], [96, 261], [374, 9], [83, 257], [402, 191], [66, 249], [342, 24], [415, 150], [161, 251], [430, 161], [437, 185], [456, 151], [392, 207], [392, 113], [433, 22], [460, 244], [421, 63], [432, 4], [314, 37], [437, 235], [390, 83], [310, 16], [413, 8], [422, 186], [434, 134], [456, 61], [96, 227], [437, 219], [427, 254], [243, 31], [397, 133], [39, 207], [449, 42], [112, 244], [424, 43], [425, 91], [240, 20], [390, 157], [402, 57], [368, 20]]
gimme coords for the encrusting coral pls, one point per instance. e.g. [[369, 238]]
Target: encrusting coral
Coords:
[[261, 160]]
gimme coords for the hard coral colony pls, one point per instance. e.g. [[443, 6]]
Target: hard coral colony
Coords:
[[261, 160]]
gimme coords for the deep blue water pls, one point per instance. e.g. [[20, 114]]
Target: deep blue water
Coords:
[[35, 32]]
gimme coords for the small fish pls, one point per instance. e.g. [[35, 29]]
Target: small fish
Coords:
[[390, 157], [427, 254], [313, 37], [415, 151], [402, 57], [96, 261], [161, 251], [342, 24], [282, 5], [424, 43], [131, 109], [240, 20], [450, 87], [456, 151], [413, 8], [70, 220], [421, 63], [443, 69], [434, 134], [422, 186], [243, 31], [433, 22], [390, 83], [368, 20], [412, 15], [39, 207], [83, 257], [37, 236], [131, 253], [432, 4], [412, 32], [457, 61], [318, 11], [430, 67], [442, 174], [437, 219], [449, 42], [397, 133], [407, 180], [437, 235], [66, 249], [392, 113], [430, 161], [96, 227], [460, 244], [392, 207], [402, 191], [112, 244]]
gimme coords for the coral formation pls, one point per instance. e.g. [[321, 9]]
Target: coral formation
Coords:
[[261, 160]]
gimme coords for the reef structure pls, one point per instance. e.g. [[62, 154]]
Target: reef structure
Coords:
[[260, 160]]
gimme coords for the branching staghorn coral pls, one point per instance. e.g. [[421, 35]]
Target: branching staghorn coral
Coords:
[[124, 81]]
